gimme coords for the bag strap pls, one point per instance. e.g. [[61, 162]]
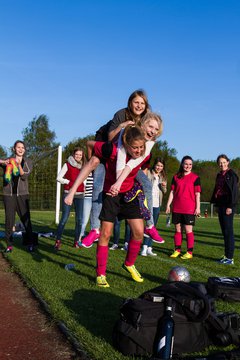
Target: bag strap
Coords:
[[184, 294], [135, 335]]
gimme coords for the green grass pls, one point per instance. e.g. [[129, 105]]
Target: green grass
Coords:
[[90, 312]]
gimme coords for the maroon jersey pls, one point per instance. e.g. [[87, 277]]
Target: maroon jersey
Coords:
[[185, 189], [108, 152]]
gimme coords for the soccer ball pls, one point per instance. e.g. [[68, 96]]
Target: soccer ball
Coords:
[[179, 273]]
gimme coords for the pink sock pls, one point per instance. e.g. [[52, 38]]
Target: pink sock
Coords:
[[133, 250], [102, 258], [178, 240], [190, 242]]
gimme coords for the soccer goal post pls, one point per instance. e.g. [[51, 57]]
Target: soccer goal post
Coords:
[[58, 188], [206, 209]]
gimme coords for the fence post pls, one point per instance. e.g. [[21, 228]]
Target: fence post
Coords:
[[58, 191]]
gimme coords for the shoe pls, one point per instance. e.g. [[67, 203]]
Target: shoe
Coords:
[[222, 259], [187, 256], [150, 252], [88, 241], [102, 282], [57, 245], [114, 247], [153, 233], [9, 249], [144, 251], [175, 254], [125, 247], [134, 273], [227, 261], [30, 248]]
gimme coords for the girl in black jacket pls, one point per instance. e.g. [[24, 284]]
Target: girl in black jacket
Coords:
[[225, 196]]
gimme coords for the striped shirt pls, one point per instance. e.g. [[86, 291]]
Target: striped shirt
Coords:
[[89, 186]]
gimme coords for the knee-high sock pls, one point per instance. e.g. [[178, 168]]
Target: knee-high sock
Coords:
[[178, 240], [190, 242], [102, 258], [133, 250]]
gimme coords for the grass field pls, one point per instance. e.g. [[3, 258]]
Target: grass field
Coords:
[[90, 312]]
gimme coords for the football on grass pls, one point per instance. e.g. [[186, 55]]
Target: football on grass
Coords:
[[179, 273]]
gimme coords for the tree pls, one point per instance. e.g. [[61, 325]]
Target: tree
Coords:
[[3, 153], [38, 137], [42, 149]]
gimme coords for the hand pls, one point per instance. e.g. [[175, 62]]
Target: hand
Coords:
[[126, 123], [228, 211], [69, 199], [197, 212], [168, 210], [114, 190]]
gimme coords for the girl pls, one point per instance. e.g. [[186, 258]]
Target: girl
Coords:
[[225, 196], [158, 179], [151, 123], [185, 196], [16, 194], [67, 176], [115, 206], [137, 107]]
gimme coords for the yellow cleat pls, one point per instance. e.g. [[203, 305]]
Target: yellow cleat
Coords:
[[134, 273], [175, 254], [187, 256], [102, 282]]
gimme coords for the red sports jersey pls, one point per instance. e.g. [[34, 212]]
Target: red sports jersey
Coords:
[[108, 152], [185, 189]]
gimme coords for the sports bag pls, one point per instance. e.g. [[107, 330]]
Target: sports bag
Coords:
[[224, 288], [136, 332]]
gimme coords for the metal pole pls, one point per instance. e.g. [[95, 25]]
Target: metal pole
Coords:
[[58, 191]]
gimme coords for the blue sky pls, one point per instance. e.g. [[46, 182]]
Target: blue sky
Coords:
[[77, 61]]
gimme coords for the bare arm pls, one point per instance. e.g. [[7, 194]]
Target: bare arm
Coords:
[[170, 199], [112, 134], [197, 210], [85, 171]]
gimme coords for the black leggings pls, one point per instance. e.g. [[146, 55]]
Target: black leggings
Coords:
[[19, 204]]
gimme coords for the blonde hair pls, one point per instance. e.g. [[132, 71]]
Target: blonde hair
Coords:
[[131, 134], [152, 116]]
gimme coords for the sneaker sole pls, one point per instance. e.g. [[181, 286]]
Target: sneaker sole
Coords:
[[87, 246], [103, 286], [159, 242]]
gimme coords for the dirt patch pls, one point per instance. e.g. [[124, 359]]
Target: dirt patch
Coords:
[[25, 330]]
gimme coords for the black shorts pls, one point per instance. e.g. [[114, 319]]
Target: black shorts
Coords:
[[113, 207], [186, 219]]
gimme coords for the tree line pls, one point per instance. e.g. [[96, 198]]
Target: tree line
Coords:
[[42, 146]]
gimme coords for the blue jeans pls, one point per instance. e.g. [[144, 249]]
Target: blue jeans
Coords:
[[226, 223], [98, 181], [156, 212], [116, 231], [78, 205], [87, 206], [147, 189]]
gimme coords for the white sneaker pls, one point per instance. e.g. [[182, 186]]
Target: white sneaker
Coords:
[[150, 252], [114, 247], [125, 247], [144, 251]]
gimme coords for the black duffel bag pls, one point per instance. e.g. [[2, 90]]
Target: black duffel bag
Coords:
[[135, 333]]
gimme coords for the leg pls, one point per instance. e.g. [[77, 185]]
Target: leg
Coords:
[[64, 218], [98, 181], [116, 234], [227, 230], [85, 171], [177, 241], [137, 227], [10, 209], [156, 211], [102, 253], [24, 214], [147, 189], [78, 205], [87, 205]]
